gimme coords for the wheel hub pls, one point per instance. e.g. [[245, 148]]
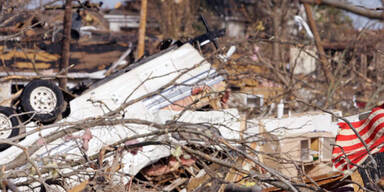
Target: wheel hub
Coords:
[[5, 126], [43, 100]]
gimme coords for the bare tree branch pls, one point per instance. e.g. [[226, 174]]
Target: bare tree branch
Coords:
[[372, 14]]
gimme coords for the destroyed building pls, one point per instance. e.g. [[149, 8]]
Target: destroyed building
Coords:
[[35, 51], [193, 116]]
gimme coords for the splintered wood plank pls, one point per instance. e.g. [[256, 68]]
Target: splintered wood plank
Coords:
[[174, 184], [79, 187], [356, 177], [233, 175]]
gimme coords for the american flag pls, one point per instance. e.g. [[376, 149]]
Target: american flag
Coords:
[[349, 151]]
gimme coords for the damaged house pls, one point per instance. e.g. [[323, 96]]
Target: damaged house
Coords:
[[35, 50], [153, 113]]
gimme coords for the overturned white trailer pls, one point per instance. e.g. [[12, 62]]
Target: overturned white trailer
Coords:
[[155, 83]]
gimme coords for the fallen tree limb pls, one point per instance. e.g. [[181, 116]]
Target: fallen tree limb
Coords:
[[372, 14]]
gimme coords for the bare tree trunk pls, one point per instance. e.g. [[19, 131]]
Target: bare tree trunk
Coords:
[[66, 44], [176, 17], [353, 66], [285, 16], [173, 19], [276, 44], [364, 64], [326, 67], [166, 9], [188, 17], [143, 22]]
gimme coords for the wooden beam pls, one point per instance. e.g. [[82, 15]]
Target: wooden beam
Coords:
[[143, 22]]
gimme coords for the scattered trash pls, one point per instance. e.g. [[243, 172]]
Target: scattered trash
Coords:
[[301, 23]]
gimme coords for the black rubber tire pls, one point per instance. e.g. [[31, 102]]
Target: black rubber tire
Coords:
[[25, 102], [15, 131]]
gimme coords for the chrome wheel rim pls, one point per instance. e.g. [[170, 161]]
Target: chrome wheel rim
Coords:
[[43, 100], [5, 126]]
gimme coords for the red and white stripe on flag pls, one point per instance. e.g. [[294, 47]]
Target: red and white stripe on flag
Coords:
[[349, 151]]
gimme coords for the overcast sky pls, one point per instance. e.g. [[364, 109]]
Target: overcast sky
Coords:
[[361, 22]]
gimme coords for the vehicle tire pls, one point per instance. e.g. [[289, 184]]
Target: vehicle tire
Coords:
[[42, 100], [8, 125]]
